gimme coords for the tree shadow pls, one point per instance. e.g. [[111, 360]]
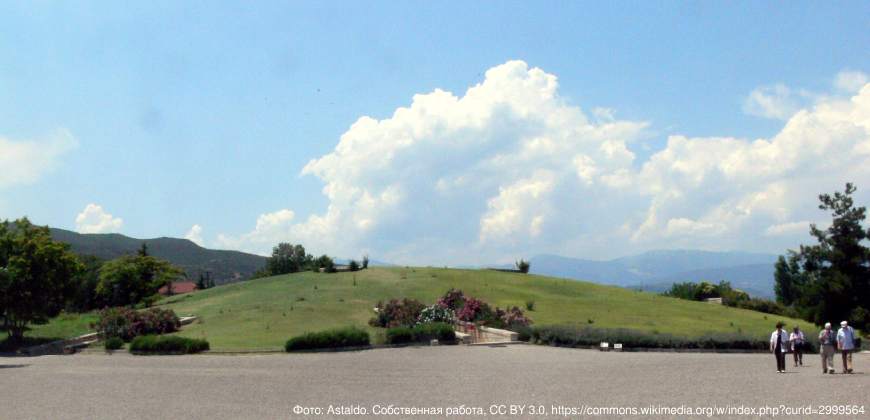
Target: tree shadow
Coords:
[[12, 366], [10, 348]]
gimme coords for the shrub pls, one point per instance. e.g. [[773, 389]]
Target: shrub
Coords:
[[572, 336], [353, 265], [153, 344], [113, 343], [329, 339], [513, 317], [127, 323], [453, 299], [397, 313], [436, 313], [422, 333], [530, 305], [476, 310]]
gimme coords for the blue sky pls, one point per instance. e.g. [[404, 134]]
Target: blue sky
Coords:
[[173, 114]]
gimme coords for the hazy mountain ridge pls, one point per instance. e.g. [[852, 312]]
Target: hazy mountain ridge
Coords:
[[657, 270], [225, 266]]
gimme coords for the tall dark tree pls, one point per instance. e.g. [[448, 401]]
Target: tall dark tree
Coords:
[[130, 279], [788, 278], [830, 280], [287, 258], [36, 276]]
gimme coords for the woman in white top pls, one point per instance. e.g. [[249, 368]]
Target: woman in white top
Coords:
[[796, 341]]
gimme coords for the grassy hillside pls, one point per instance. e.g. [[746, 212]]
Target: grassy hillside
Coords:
[[263, 313], [225, 266]]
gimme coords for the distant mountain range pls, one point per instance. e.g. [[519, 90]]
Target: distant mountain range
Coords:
[[656, 271], [225, 266]]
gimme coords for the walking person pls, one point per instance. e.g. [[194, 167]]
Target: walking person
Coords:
[[796, 339], [778, 346], [846, 344], [827, 341]]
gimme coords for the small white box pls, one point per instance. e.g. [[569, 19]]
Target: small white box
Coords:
[[617, 347], [604, 346]]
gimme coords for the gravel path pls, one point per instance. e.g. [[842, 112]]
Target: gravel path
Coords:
[[92, 386]]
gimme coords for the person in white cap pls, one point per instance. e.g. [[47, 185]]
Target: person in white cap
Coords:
[[846, 344], [827, 340]]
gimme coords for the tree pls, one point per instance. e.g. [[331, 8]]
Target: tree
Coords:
[[129, 279], [523, 266], [143, 250], [830, 281], [200, 283], [36, 276], [287, 258], [365, 262], [84, 297], [353, 265], [326, 263]]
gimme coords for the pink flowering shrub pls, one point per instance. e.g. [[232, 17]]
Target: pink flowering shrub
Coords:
[[128, 323], [453, 299]]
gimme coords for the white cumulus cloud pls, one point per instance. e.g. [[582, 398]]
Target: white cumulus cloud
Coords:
[[195, 235], [510, 167], [23, 162], [93, 219]]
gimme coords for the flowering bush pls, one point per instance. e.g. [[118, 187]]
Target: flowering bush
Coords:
[[128, 323], [453, 299], [475, 310], [513, 317], [397, 313], [436, 313]]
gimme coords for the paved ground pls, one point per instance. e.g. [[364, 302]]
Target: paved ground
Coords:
[[92, 386]]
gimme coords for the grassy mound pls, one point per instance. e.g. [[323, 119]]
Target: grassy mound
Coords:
[[262, 313]]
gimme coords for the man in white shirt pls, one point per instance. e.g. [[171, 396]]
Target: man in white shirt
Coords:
[[827, 340], [778, 346], [846, 344]]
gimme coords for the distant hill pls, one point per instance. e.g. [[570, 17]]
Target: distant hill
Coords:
[[755, 279], [657, 270], [225, 266]]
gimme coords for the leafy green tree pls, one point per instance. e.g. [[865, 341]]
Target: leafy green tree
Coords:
[[85, 297], [130, 279], [365, 262], [353, 265], [830, 281], [36, 276], [287, 258]]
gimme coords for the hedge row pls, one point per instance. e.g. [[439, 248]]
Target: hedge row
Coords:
[[329, 339], [422, 333], [153, 344], [577, 336]]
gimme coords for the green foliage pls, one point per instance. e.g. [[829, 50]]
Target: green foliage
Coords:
[[129, 279], [127, 323], [575, 336], [530, 305], [353, 265], [523, 266], [113, 343], [830, 281], [36, 276], [287, 258], [329, 339], [171, 344], [421, 333], [84, 295], [365, 262]]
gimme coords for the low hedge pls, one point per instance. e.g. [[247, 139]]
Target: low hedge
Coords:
[[443, 332], [581, 336], [329, 339], [154, 344], [113, 343]]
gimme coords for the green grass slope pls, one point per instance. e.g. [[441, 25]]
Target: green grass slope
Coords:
[[262, 314]]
